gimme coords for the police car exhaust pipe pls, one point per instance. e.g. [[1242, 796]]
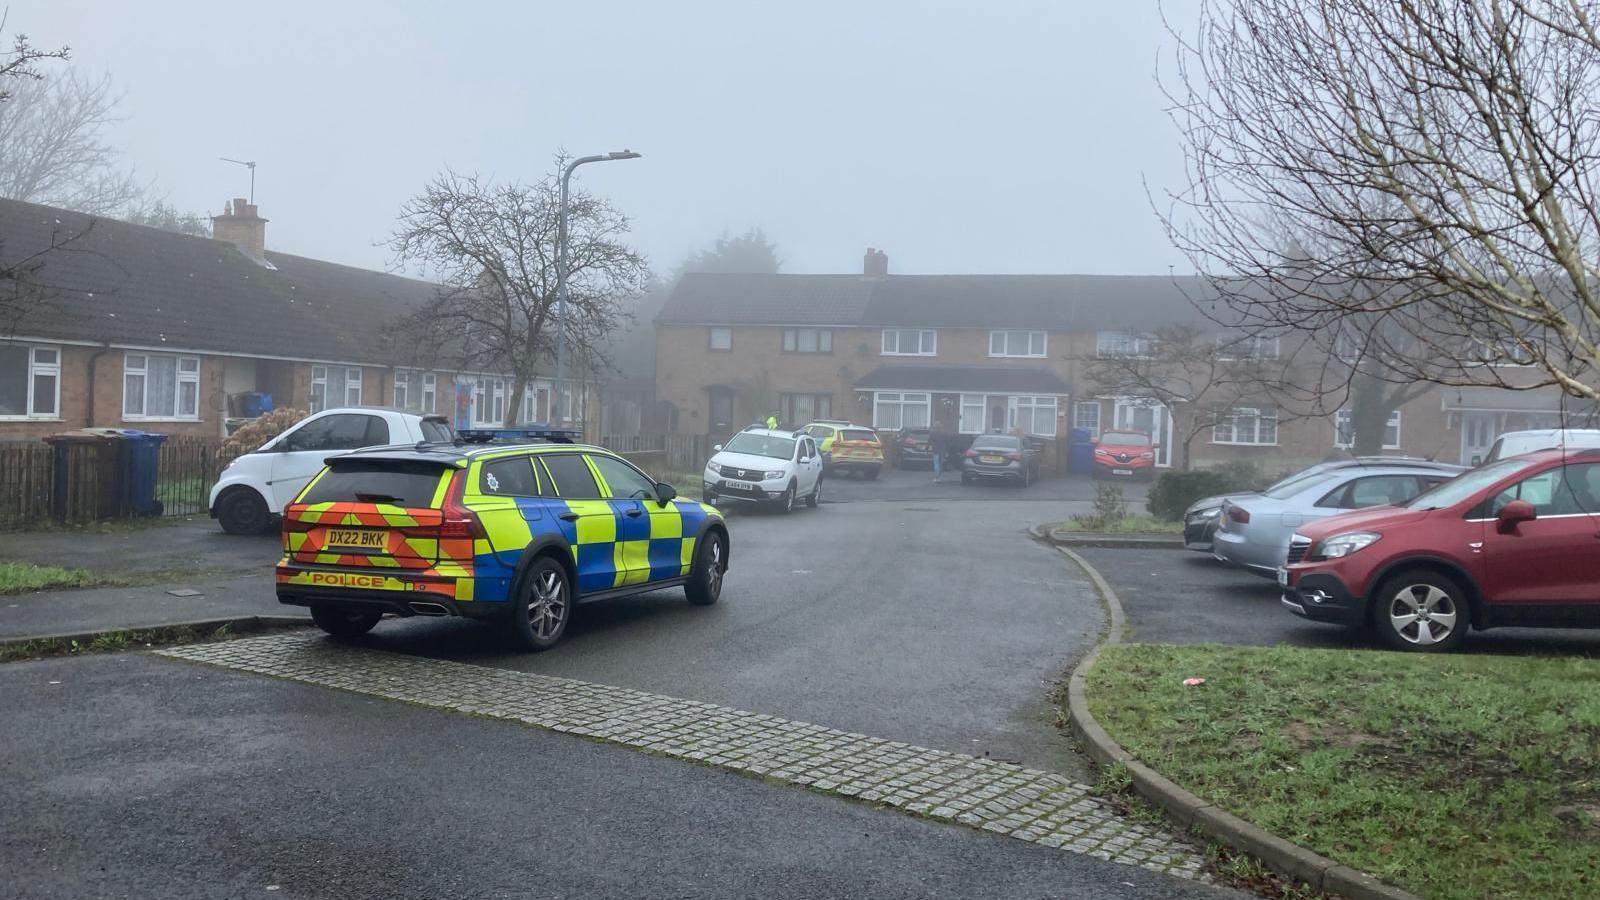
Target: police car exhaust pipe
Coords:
[[428, 609]]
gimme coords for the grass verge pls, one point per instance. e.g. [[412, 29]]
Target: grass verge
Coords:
[[1451, 776], [21, 577], [1137, 523]]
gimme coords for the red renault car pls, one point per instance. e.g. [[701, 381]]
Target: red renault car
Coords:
[[1514, 542], [1122, 453]]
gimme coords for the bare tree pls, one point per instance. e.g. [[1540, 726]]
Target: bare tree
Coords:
[[1191, 369], [493, 246], [1435, 159], [21, 63], [53, 148]]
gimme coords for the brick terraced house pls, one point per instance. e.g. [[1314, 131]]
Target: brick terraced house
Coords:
[[970, 354], [119, 325]]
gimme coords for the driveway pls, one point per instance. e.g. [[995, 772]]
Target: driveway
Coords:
[[1183, 597]]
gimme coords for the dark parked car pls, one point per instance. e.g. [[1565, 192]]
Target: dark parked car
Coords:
[[1001, 457], [1509, 543]]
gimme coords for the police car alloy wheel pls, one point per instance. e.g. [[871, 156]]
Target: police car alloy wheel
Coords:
[[705, 584], [543, 605]]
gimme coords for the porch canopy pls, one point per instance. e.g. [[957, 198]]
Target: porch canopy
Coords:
[[964, 380]]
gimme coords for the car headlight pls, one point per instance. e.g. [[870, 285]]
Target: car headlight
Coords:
[[772, 474], [713, 467], [1346, 544]]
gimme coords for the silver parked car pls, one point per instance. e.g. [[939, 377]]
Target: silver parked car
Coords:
[[1201, 518], [1253, 532]]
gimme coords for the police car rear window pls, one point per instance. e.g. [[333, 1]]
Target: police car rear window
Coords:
[[409, 484], [852, 434]]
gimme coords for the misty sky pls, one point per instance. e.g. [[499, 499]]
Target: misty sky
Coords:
[[960, 137]]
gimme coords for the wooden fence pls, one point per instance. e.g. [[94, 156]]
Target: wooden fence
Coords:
[[79, 483], [681, 452]]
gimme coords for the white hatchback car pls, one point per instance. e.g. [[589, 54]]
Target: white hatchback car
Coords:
[[257, 485], [762, 465]]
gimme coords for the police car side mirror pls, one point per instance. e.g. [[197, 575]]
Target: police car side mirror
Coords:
[[665, 493]]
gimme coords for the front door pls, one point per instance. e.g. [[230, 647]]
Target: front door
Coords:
[[999, 408], [1555, 558], [649, 535], [1142, 415], [1477, 436], [721, 411]]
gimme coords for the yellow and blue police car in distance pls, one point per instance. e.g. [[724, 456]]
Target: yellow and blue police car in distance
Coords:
[[514, 534]]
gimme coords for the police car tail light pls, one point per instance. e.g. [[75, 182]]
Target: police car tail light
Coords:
[[459, 521]]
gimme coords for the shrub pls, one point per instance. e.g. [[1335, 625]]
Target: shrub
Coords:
[[1174, 491], [1109, 509], [256, 432]]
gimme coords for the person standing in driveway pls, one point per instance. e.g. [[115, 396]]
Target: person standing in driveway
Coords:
[[939, 443]]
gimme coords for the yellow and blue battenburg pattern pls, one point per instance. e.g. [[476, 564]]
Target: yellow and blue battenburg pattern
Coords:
[[614, 543]]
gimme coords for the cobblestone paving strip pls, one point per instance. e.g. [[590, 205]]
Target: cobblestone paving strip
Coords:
[[1008, 799]]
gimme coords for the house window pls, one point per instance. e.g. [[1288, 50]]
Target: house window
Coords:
[[535, 402], [157, 386], [1250, 425], [335, 386], [722, 338], [1253, 348], [894, 411], [489, 402], [910, 342], [571, 399], [798, 409], [1344, 431], [1016, 343], [971, 414], [1086, 414], [415, 391], [1124, 344], [30, 382], [1034, 415], [807, 340]]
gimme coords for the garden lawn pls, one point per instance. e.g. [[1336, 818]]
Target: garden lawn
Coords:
[[1451, 776], [18, 577]]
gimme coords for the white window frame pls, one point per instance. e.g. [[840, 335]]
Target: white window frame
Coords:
[[822, 340], [926, 338], [1123, 345], [180, 375], [1083, 406], [424, 385], [1343, 425], [1007, 337], [1033, 407], [1256, 415], [322, 378], [33, 370], [900, 401], [974, 411], [488, 391], [726, 334], [1247, 348]]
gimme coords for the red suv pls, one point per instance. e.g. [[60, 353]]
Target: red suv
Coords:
[[1124, 454], [1514, 542]]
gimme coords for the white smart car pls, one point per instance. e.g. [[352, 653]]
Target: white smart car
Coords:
[[256, 486], [762, 465]]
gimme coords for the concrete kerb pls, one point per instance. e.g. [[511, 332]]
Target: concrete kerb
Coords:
[[244, 624], [1188, 809]]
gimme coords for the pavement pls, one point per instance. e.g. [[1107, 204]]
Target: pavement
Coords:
[[143, 776], [1185, 597]]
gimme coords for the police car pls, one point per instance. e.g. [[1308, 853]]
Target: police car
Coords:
[[512, 534]]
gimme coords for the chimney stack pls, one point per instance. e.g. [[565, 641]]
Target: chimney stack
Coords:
[[240, 226], [875, 264]]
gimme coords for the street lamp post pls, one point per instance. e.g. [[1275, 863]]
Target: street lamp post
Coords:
[[561, 264]]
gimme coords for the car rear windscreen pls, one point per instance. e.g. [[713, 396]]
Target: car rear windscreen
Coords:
[[855, 434], [395, 482], [436, 431], [997, 442]]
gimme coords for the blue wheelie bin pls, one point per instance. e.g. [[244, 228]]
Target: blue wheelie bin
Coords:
[[144, 457]]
